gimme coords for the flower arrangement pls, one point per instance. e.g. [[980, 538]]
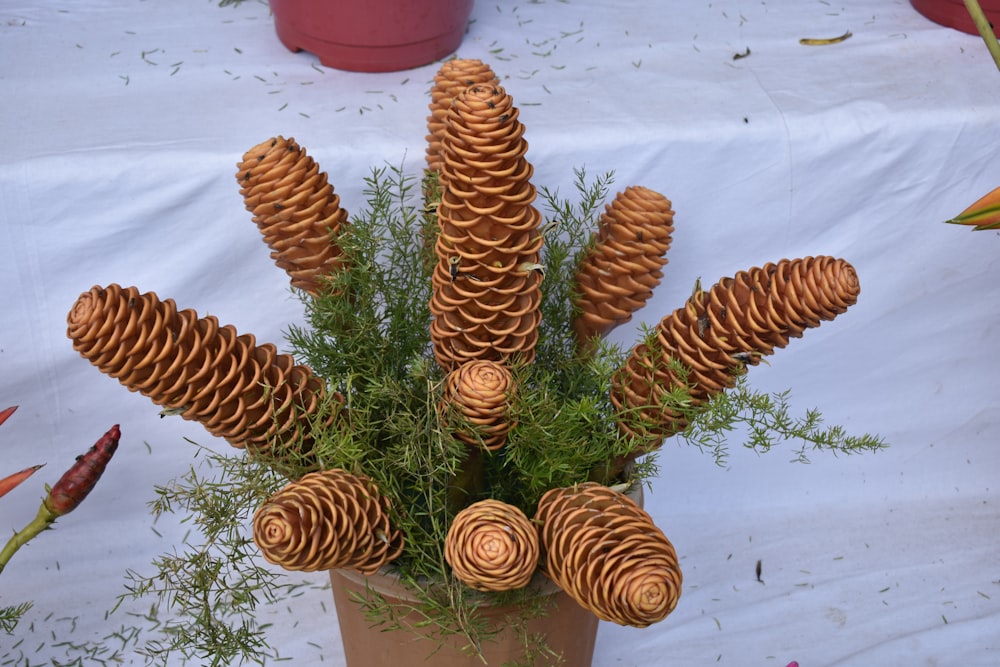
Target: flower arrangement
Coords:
[[453, 411]]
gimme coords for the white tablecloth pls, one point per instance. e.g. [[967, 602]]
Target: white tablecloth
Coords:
[[121, 123]]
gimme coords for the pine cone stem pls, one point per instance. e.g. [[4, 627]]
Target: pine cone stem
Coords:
[[468, 481]]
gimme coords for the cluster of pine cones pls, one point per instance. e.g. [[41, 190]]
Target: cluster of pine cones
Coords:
[[594, 542]]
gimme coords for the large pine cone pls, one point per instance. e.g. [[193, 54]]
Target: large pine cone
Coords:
[[248, 394], [606, 553], [451, 79], [295, 209], [718, 333], [486, 281], [617, 274], [327, 520], [492, 546], [480, 391]]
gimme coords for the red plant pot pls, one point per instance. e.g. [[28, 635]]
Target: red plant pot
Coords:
[[372, 35], [952, 13]]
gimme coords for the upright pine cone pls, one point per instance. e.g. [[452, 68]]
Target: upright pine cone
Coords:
[[238, 390], [451, 79], [295, 209], [480, 391], [327, 520], [618, 272], [486, 281], [606, 553], [719, 332], [492, 546]]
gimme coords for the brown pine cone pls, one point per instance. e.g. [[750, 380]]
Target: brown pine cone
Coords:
[[238, 390], [606, 553], [451, 79], [327, 520], [617, 274], [492, 546], [718, 333], [480, 391], [486, 293], [295, 209]]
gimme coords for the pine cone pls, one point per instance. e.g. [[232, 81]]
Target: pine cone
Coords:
[[718, 333], [327, 520], [238, 390], [295, 209], [451, 79], [606, 553], [619, 271], [480, 391], [486, 282], [492, 546]]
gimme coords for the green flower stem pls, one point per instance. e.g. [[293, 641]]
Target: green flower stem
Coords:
[[984, 28], [468, 481], [42, 521]]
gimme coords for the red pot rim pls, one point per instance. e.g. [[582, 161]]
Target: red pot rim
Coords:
[[953, 14]]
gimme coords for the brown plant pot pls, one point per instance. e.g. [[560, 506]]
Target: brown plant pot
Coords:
[[569, 629], [374, 35], [952, 13]]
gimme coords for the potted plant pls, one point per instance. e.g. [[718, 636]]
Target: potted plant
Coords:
[[372, 36], [454, 440]]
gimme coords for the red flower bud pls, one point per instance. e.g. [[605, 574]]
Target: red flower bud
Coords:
[[77, 482]]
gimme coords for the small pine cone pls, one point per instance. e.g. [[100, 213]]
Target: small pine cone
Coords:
[[589, 499], [492, 546], [238, 390], [618, 272], [480, 391], [718, 333], [606, 553], [486, 293], [327, 520], [295, 209], [451, 79]]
